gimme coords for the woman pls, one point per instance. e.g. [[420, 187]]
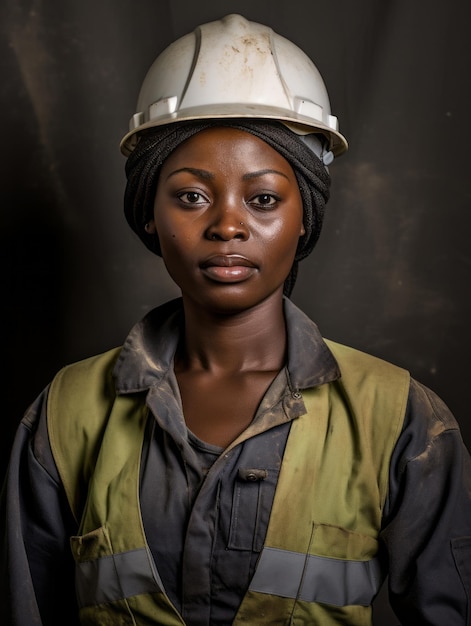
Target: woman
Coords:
[[228, 465]]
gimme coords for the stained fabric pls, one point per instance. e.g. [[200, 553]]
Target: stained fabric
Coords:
[[427, 580]]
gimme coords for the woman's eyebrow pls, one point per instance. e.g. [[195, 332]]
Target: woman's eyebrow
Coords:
[[250, 175], [205, 175], [193, 170]]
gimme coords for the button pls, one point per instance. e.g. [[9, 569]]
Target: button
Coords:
[[252, 475], [296, 395]]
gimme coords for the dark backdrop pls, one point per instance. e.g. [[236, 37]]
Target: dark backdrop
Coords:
[[391, 272]]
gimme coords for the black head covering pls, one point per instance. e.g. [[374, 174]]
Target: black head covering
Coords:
[[154, 147]]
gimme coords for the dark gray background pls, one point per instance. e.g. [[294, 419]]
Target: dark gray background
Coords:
[[392, 270]]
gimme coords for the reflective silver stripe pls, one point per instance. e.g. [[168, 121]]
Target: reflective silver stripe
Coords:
[[115, 577], [316, 578]]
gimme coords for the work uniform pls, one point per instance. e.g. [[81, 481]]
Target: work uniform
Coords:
[[205, 517]]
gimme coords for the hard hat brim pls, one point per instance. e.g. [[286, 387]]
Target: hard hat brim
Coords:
[[337, 142]]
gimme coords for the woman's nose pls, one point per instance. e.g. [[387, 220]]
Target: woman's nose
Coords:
[[227, 222]]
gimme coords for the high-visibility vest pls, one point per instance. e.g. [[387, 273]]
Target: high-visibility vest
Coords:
[[319, 563]]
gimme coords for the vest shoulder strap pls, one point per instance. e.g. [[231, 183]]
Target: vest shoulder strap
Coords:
[[80, 400], [377, 393], [339, 453]]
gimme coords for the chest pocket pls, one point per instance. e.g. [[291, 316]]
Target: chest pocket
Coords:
[[254, 489]]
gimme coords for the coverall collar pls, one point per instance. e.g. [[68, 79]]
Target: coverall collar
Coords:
[[149, 349]]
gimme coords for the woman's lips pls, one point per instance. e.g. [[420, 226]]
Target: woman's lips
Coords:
[[228, 268]]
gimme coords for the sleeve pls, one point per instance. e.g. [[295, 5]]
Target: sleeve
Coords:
[[427, 521], [37, 569]]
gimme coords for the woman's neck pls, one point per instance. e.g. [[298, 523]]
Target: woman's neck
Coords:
[[253, 340]]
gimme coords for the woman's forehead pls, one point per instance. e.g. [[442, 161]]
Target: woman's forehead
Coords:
[[231, 145]]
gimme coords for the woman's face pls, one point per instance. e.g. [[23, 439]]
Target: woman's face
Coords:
[[228, 214]]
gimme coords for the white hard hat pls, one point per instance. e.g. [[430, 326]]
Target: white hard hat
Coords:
[[233, 68]]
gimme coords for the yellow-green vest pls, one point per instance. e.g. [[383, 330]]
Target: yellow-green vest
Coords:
[[319, 563]]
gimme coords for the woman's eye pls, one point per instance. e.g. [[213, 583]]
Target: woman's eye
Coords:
[[191, 197], [265, 200]]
